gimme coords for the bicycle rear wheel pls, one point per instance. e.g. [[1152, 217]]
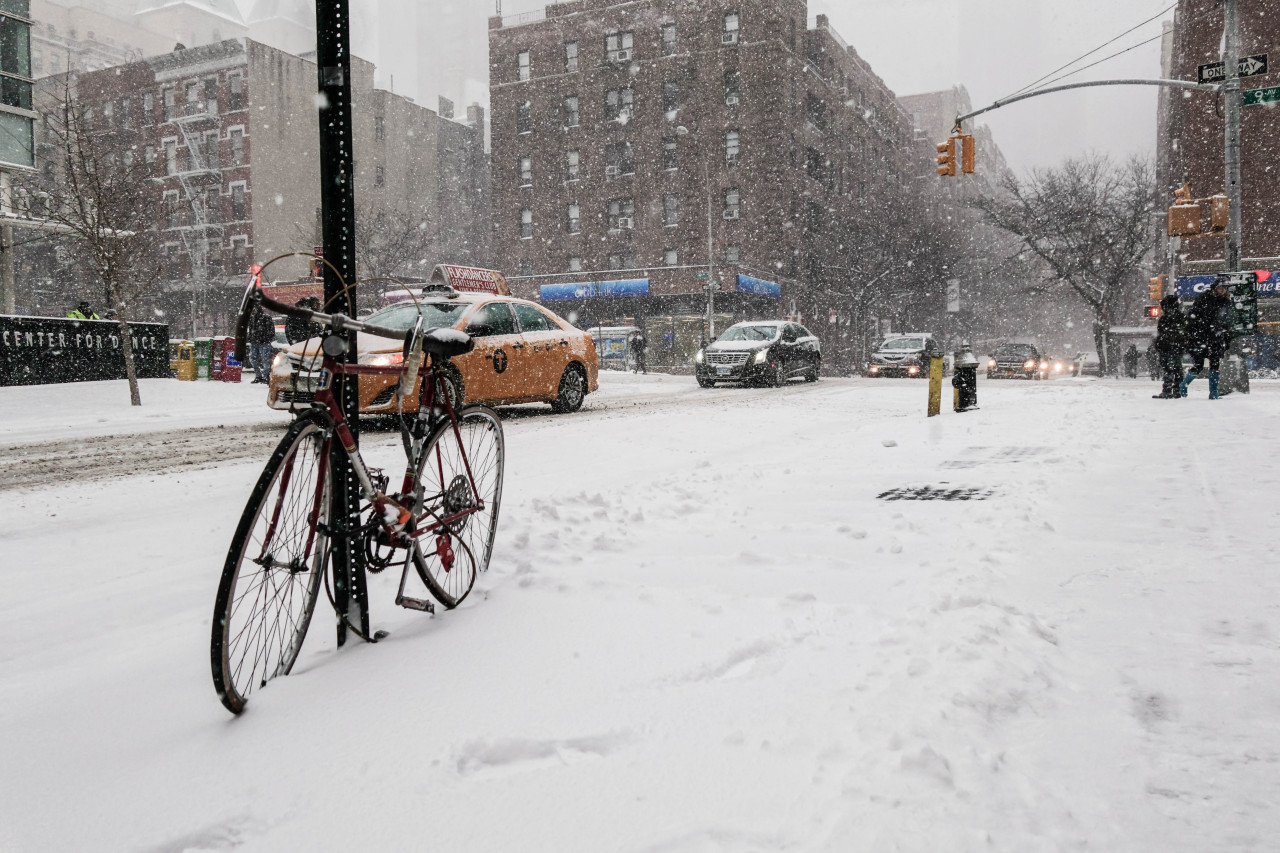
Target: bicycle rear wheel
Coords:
[[446, 490], [277, 559]]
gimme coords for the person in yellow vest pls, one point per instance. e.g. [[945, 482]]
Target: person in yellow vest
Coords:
[[82, 312]]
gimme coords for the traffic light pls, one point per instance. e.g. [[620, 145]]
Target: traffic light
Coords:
[[947, 157], [1184, 216], [969, 159], [1153, 311], [1182, 195], [1155, 289], [1219, 212]]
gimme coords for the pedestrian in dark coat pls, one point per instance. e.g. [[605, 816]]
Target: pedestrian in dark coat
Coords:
[[638, 347], [1208, 333], [262, 333], [295, 328], [1171, 343]]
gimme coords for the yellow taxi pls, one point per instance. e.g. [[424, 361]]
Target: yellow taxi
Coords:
[[523, 352]]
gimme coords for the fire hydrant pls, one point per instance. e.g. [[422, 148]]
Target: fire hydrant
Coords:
[[965, 379]]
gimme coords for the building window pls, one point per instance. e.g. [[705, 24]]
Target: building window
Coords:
[[813, 217], [148, 110], [571, 111], [731, 139], [379, 128], [211, 158], [150, 152], [730, 254], [570, 57], [732, 87], [192, 92], [571, 159], [126, 116], [526, 224], [170, 99], [524, 117], [575, 263], [236, 81], [379, 176], [619, 47], [239, 211], [670, 153], [732, 203], [730, 33], [622, 213], [619, 159], [240, 254], [670, 96], [236, 135], [213, 206], [813, 163], [573, 221], [108, 114], [211, 96], [523, 66], [171, 209], [618, 104], [526, 171], [671, 257], [816, 111], [668, 39], [171, 156], [671, 210], [622, 261]]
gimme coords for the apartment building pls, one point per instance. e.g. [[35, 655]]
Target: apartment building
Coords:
[[231, 128], [644, 151]]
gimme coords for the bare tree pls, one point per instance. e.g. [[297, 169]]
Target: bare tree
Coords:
[[1089, 220], [94, 187]]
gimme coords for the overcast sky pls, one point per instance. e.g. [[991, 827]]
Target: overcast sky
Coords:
[[992, 47]]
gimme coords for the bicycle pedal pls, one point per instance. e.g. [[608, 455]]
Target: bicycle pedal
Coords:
[[416, 604]]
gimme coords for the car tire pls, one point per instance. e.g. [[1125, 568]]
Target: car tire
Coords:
[[571, 392], [457, 388], [706, 382], [811, 375]]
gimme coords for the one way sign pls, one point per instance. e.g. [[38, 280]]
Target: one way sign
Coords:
[[1215, 72]]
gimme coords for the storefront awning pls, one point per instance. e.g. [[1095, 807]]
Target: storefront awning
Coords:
[[758, 287], [594, 290]]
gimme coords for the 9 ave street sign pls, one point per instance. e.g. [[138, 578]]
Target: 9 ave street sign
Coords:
[[1260, 96], [1216, 72]]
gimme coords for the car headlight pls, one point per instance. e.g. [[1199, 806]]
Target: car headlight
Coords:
[[762, 356], [1028, 364], [381, 359], [991, 362], [913, 370], [281, 360], [875, 368], [700, 357]]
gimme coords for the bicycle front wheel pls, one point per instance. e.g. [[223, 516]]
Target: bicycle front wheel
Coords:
[[274, 566], [448, 467]]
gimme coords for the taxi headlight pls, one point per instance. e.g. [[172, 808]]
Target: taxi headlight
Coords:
[[280, 362], [382, 359], [762, 356]]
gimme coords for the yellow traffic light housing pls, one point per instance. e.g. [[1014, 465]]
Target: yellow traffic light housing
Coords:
[[1219, 212], [947, 157], [969, 160], [1182, 195], [1155, 289]]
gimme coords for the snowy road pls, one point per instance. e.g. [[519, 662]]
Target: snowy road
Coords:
[[702, 631]]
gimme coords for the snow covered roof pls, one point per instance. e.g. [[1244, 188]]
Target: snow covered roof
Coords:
[[226, 9], [300, 12]]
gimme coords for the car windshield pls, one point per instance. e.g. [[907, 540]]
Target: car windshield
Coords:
[[401, 317], [1015, 351], [903, 343], [750, 333]]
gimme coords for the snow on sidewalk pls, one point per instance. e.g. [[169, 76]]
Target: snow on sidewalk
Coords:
[[702, 630]]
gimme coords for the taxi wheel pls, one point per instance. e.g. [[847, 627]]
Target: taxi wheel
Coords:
[[457, 388], [572, 391]]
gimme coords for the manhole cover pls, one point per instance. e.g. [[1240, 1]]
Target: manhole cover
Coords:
[[934, 493]]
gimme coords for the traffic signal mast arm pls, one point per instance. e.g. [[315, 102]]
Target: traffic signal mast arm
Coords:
[[1173, 84]]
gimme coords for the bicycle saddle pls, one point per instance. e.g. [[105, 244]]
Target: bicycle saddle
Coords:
[[446, 343]]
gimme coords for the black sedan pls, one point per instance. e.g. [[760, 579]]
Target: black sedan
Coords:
[[764, 352], [1017, 361]]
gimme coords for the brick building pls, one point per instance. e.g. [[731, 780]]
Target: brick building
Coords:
[[1190, 145], [231, 130], [622, 133]]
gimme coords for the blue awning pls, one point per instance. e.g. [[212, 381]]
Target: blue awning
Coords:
[[1191, 286], [758, 287], [594, 290]]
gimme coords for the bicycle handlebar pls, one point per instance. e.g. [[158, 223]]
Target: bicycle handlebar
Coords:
[[255, 298]]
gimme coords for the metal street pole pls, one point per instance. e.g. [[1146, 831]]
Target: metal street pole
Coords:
[[1231, 98], [711, 255], [337, 201]]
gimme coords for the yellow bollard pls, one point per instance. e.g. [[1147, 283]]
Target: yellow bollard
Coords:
[[935, 385]]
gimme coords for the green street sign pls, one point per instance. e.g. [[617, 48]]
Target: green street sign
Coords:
[[1242, 287], [700, 275], [1260, 96]]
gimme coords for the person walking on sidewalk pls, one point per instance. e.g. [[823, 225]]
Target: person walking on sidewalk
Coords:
[[82, 312], [1208, 333], [262, 331], [1171, 343], [638, 347]]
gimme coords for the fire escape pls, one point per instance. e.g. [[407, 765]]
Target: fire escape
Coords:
[[201, 180]]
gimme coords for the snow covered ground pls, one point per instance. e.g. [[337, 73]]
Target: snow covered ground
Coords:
[[702, 631]]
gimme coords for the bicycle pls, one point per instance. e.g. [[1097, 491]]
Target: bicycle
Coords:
[[279, 555]]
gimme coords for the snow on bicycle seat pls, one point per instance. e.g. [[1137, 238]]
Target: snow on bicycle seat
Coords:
[[446, 343]]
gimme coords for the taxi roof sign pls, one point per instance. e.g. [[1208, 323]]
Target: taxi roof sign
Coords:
[[471, 279]]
